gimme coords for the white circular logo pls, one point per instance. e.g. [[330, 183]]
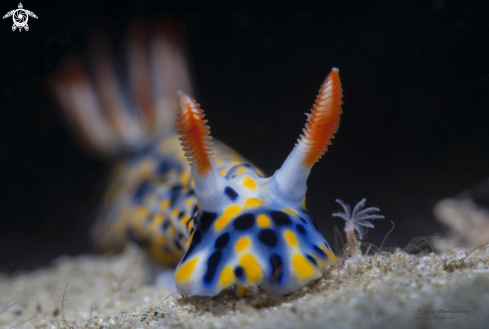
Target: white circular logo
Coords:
[[20, 17]]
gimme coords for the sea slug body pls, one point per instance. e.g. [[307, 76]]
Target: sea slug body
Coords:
[[215, 217]]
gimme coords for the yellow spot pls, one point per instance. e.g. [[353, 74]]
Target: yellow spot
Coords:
[[241, 291], [185, 176], [251, 268], [189, 241], [242, 244], [160, 239], [263, 221], [330, 255], [144, 169], [155, 224], [183, 223], [240, 170], [223, 172], [249, 183], [303, 267], [290, 211], [227, 277], [190, 226], [253, 202], [185, 219], [185, 271], [138, 216], [291, 238], [175, 212], [164, 204], [158, 218], [171, 232], [157, 252], [188, 202], [226, 217], [304, 203], [142, 212]]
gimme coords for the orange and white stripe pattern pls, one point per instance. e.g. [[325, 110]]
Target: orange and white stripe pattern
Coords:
[[195, 135], [323, 122]]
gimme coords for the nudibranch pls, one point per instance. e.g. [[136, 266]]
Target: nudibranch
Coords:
[[215, 217], [252, 230]]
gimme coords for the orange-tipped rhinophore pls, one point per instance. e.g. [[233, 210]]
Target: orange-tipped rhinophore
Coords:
[[196, 139], [323, 123]]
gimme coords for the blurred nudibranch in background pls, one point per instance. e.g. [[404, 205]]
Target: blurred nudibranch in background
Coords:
[[215, 217]]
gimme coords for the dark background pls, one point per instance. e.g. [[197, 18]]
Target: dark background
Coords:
[[415, 77]]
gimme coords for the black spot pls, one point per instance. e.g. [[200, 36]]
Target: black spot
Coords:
[[130, 235], [163, 167], [222, 241], [207, 219], [232, 194], [268, 237], [301, 229], [247, 165], [195, 210], [180, 215], [141, 191], [280, 218], [303, 220], [195, 241], [238, 271], [312, 260], [244, 222], [174, 192], [178, 245], [277, 268], [212, 264], [191, 192], [327, 245], [165, 225], [188, 222], [315, 225], [320, 251]]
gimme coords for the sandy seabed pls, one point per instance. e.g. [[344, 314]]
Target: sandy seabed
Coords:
[[390, 290]]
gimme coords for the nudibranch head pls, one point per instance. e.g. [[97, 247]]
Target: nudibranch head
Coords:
[[252, 230]]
